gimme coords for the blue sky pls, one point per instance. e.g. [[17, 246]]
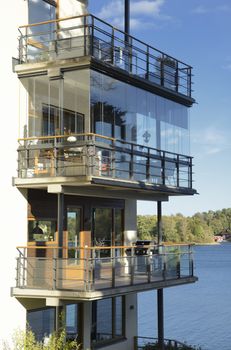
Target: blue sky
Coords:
[[198, 33]]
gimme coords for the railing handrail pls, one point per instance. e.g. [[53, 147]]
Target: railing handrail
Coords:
[[90, 266], [108, 247], [112, 27], [114, 140]]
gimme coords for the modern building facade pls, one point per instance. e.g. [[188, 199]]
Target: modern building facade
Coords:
[[103, 122]]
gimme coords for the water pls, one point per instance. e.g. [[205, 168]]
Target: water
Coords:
[[199, 313]]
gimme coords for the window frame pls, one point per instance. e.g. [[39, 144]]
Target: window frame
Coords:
[[98, 343]]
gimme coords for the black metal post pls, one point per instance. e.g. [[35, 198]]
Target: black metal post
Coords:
[[127, 39], [60, 223], [160, 292], [127, 18], [160, 311], [159, 223]]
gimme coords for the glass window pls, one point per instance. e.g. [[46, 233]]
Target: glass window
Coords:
[[41, 322], [72, 324], [108, 226], [41, 11], [41, 230], [55, 107], [119, 227], [128, 113], [107, 319], [73, 228], [102, 226], [76, 99], [40, 36]]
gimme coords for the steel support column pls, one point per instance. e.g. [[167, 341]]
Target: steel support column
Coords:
[[160, 312], [127, 17], [159, 222], [160, 292]]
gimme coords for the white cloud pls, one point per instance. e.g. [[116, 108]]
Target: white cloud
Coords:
[[140, 9], [211, 141], [201, 10], [147, 7]]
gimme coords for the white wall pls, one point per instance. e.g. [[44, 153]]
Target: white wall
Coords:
[[12, 203]]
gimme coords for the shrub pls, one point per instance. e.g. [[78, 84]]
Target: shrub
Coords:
[[25, 340]]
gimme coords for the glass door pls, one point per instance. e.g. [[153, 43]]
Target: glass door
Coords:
[[107, 229], [73, 229]]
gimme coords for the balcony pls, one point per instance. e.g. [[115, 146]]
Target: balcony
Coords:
[[93, 159], [92, 272], [78, 37]]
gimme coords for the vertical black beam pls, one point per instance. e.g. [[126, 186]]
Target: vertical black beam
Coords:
[[127, 18], [159, 222], [160, 292], [60, 223], [127, 39], [160, 311]]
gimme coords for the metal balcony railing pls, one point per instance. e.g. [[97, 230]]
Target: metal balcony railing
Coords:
[[88, 35], [92, 269], [149, 343], [104, 157]]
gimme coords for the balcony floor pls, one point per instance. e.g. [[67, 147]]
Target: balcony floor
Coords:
[[112, 188], [71, 293]]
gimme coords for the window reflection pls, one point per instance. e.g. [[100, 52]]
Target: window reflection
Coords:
[[107, 229], [42, 230], [72, 324], [128, 113], [107, 319], [41, 322], [55, 107]]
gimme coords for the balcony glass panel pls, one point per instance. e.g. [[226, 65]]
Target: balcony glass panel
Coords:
[[55, 107], [102, 267], [128, 113]]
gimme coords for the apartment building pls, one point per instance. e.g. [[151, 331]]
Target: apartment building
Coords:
[[102, 121]]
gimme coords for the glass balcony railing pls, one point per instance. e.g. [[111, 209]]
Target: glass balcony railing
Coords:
[[97, 268], [100, 156], [90, 36]]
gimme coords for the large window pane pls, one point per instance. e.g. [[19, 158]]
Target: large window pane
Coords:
[[104, 319], [103, 226], [41, 322], [55, 107], [40, 36], [73, 228], [118, 316], [118, 226], [128, 113], [107, 319], [76, 101], [72, 316]]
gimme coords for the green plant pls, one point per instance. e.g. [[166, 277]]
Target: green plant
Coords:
[[25, 340]]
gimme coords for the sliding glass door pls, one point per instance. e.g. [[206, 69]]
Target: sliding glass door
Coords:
[[73, 229], [107, 229]]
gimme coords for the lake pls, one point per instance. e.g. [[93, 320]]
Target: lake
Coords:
[[200, 313]]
